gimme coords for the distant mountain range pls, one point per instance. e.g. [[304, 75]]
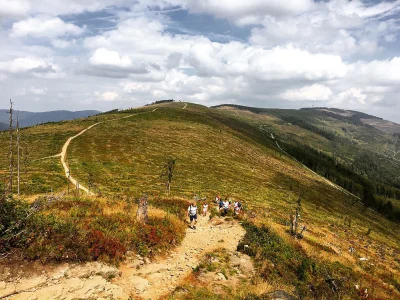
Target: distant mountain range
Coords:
[[3, 126], [376, 122], [27, 118]]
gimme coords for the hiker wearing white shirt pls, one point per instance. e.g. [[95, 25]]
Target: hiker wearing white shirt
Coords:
[[192, 214], [205, 208], [236, 207], [225, 207]]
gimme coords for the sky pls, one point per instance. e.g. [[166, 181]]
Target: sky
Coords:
[[107, 54]]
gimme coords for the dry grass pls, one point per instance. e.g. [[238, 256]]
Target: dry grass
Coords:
[[214, 157]]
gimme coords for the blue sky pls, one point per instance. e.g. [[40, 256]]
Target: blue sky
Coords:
[[105, 54]]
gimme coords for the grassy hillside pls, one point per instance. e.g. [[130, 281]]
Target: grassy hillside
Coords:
[[231, 153], [336, 144]]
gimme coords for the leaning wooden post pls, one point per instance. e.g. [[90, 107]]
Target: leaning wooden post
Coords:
[[141, 214]]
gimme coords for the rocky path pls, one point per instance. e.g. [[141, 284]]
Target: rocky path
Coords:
[[137, 278], [151, 281]]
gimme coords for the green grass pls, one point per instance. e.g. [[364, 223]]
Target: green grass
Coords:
[[227, 153]]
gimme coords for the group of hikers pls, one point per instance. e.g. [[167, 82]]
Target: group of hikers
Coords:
[[223, 207]]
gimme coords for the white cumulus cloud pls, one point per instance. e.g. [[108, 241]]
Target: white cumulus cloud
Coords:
[[44, 26], [37, 91], [109, 96], [14, 8], [111, 58], [315, 92], [28, 64]]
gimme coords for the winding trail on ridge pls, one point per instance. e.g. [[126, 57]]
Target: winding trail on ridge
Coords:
[[160, 277], [63, 154]]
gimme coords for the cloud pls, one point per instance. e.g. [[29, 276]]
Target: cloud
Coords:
[[37, 91], [62, 44], [107, 96], [107, 63], [27, 64], [337, 27], [362, 9], [337, 52], [350, 96], [109, 58], [379, 72], [44, 26], [14, 8], [315, 92], [292, 63], [250, 11], [153, 44]]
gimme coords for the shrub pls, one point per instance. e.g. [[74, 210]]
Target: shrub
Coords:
[[14, 215], [292, 266], [74, 229], [176, 207]]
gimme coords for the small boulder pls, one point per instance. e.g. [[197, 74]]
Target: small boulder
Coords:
[[279, 295], [221, 277], [140, 284]]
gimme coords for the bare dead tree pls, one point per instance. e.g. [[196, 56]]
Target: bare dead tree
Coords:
[[18, 165], [295, 219], [10, 182], [169, 174], [298, 209]]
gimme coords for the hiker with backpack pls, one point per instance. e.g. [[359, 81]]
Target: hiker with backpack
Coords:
[[192, 214], [221, 203], [237, 207], [225, 207]]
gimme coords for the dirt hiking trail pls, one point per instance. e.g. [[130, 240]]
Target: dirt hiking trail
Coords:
[[151, 281], [137, 278], [64, 149]]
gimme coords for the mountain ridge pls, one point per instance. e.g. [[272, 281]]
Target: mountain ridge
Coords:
[[367, 119], [27, 118]]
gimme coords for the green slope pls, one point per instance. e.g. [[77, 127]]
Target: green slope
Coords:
[[228, 152], [338, 145]]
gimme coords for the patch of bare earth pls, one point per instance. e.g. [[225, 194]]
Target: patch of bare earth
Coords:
[[138, 277]]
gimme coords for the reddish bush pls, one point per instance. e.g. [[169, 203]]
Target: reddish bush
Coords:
[[100, 245]]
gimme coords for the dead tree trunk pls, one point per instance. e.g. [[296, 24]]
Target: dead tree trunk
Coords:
[[169, 172], [25, 162], [10, 182], [292, 224], [141, 214], [18, 169], [295, 219]]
